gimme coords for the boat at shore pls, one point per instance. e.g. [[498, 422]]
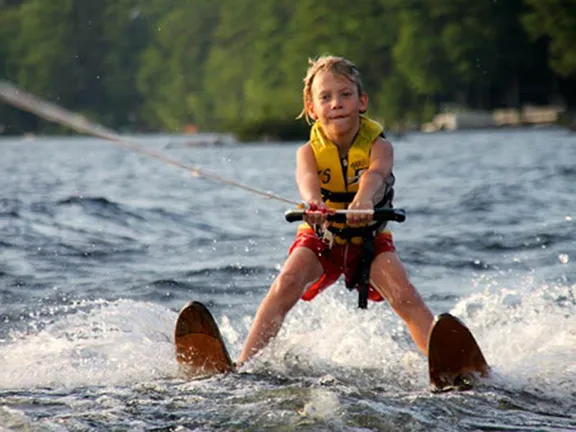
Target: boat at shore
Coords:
[[529, 115]]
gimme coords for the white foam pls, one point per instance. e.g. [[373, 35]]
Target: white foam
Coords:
[[528, 334], [109, 344], [323, 405], [331, 336]]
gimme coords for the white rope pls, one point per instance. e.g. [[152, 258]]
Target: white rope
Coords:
[[51, 112]]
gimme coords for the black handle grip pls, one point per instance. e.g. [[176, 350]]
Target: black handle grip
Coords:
[[387, 214]]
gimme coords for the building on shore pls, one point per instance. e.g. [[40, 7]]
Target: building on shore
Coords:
[[506, 117]]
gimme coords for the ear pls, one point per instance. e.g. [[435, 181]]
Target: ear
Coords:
[[363, 103], [310, 110]]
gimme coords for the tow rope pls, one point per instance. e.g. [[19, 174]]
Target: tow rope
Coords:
[[56, 114]]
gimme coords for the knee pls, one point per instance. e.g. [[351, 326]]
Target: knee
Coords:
[[286, 290], [406, 301]]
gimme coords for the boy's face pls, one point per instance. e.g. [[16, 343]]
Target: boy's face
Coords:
[[335, 102]]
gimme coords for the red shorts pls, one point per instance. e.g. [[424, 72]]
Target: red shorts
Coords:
[[340, 259]]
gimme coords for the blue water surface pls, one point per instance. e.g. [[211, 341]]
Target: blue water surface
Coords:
[[101, 246]]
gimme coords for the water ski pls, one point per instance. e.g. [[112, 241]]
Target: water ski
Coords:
[[200, 349], [454, 359]]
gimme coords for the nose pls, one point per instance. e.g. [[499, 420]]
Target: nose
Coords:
[[336, 102]]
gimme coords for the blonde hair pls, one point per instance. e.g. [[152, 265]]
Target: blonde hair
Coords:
[[339, 66]]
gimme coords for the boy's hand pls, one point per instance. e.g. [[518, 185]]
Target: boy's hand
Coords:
[[360, 219], [317, 212]]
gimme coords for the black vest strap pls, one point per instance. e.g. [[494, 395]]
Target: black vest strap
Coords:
[[340, 197], [361, 277], [349, 232]]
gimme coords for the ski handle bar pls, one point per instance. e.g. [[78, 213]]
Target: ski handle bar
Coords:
[[387, 214]]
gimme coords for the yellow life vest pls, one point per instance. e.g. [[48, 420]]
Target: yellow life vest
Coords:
[[339, 179]]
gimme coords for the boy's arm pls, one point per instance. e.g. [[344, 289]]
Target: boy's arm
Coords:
[[381, 162], [306, 176], [308, 183]]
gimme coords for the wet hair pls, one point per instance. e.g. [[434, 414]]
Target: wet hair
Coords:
[[339, 66]]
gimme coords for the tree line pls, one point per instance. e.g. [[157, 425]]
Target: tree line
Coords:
[[237, 65]]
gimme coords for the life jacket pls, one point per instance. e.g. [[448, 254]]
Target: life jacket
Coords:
[[340, 178]]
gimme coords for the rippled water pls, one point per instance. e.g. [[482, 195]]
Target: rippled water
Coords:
[[100, 247]]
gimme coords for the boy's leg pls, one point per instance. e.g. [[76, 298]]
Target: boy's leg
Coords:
[[301, 269], [389, 278]]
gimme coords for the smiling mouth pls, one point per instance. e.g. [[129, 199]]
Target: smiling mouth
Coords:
[[338, 117]]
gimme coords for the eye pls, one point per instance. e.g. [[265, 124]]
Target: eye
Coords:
[[324, 97], [347, 94]]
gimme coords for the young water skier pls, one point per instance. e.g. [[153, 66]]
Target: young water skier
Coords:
[[346, 164]]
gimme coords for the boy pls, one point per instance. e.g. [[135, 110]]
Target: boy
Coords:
[[346, 164]]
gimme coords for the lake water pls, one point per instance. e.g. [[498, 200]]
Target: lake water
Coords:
[[100, 247]]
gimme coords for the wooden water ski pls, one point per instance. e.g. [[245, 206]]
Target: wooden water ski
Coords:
[[455, 360], [200, 349]]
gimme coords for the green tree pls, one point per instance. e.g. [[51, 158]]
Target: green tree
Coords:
[[165, 64], [126, 33], [265, 92], [171, 78], [445, 48], [359, 31], [11, 119], [60, 52], [230, 62], [555, 20]]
